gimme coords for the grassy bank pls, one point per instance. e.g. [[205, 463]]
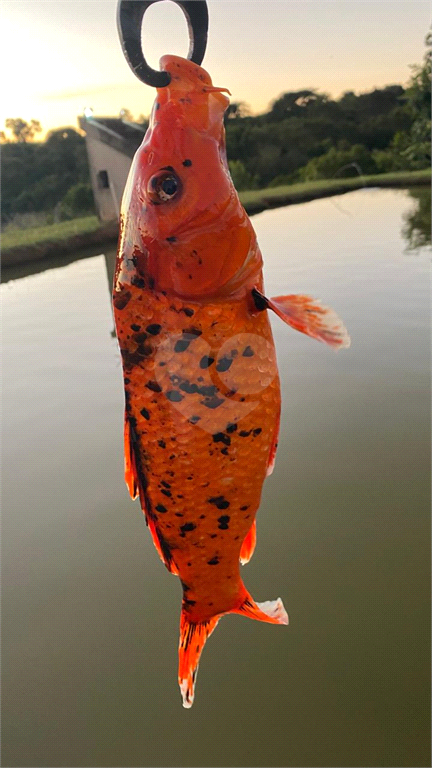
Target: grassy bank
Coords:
[[20, 245], [260, 199]]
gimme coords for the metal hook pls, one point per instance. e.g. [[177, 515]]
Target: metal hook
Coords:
[[130, 15]]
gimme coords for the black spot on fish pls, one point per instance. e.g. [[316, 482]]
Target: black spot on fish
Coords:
[[224, 451], [165, 484], [208, 391], [122, 299], [231, 428], [194, 420], [174, 396], [260, 301], [212, 402], [206, 361], [223, 364], [144, 350], [171, 239], [166, 493], [186, 386], [220, 437], [185, 528], [181, 345], [187, 163], [127, 381], [144, 412], [219, 501], [140, 337], [257, 431], [154, 329], [162, 443], [153, 386], [188, 311], [139, 282], [135, 327], [223, 522], [157, 105], [243, 509], [213, 561], [248, 352], [160, 508]]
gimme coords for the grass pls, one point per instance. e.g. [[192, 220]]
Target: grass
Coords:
[[259, 199], [13, 238]]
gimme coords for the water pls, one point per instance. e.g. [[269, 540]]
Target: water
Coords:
[[90, 616]]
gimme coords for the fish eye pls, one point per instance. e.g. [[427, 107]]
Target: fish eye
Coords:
[[163, 186]]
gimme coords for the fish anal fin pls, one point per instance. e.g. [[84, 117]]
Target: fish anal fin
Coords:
[[248, 546], [271, 611], [308, 316], [193, 637], [129, 459], [162, 546]]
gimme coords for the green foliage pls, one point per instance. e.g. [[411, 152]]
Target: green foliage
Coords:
[[37, 175], [355, 161], [241, 177], [21, 130], [77, 201]]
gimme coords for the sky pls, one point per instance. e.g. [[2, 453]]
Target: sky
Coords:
[[60, 56]]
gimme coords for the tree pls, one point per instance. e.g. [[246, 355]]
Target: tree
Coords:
[[21, 130]]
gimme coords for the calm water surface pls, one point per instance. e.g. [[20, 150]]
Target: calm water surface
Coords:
[[90, 616]]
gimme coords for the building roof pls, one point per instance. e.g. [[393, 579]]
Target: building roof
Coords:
[[123, 136]]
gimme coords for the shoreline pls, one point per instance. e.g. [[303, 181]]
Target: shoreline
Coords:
[[254, 201]]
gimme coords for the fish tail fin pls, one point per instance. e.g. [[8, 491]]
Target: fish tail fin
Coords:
[[271, 611], [193, 637]]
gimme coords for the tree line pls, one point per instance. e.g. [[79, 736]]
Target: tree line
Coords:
[[305, 135]]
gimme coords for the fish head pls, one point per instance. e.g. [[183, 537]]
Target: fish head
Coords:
[[180, 213]]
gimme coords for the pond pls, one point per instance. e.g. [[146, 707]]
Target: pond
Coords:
[[90, 615]]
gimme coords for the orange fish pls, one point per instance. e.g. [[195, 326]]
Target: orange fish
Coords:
[[201, 382]]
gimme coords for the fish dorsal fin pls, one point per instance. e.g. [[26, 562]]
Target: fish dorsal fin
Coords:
[[308, 316], [136, 488], [248, 545]]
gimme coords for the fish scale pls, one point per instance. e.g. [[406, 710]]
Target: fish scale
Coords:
[[202, 399]]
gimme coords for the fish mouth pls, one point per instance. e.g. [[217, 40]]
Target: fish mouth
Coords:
[[190, 81]]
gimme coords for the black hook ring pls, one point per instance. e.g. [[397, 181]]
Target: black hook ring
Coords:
[[130, 15]]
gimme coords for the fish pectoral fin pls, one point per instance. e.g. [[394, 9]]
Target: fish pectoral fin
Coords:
[[193, 637], [129, 459], [308, 316], [248, 546]]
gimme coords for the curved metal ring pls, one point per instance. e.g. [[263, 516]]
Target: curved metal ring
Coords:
[[130, 15]]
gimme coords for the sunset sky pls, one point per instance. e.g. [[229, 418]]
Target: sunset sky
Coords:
[[60, 56]]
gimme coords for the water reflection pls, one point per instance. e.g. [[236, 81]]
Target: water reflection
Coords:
[[417, 227]]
